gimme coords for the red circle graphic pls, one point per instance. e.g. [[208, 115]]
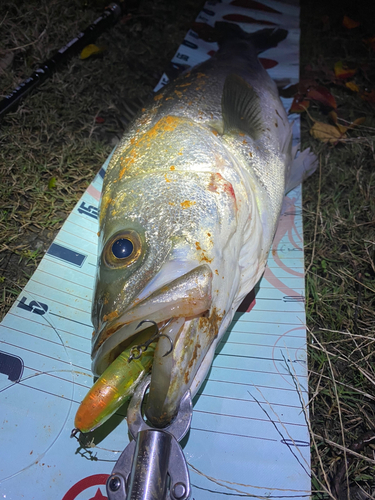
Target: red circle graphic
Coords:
[[83, 484]]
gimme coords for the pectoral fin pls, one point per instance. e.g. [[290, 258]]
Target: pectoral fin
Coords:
[[241, 107]]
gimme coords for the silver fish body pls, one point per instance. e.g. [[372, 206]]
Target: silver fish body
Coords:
[[189, 208]]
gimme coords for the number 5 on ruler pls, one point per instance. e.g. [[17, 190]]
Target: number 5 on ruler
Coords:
[[34, 307]]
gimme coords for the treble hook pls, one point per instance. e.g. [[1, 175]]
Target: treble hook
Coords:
[[137, 350]]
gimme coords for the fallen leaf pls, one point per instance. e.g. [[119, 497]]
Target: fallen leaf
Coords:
[[320, 72], [52, 183], [91, 50], [343, 72], [333, 116], [344, 128], [326, 133], [322, 95], [356, 122], [299, 104], [352, 86], [370, 42], [350, 23]]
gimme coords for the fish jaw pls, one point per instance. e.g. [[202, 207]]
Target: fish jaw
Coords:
[[173, 377], [187, 296], [181, 310]]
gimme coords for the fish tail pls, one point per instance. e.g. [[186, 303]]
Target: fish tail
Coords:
[[267, 38], [261, 40]]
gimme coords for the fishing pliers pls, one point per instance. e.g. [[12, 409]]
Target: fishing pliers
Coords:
[[152, 466]]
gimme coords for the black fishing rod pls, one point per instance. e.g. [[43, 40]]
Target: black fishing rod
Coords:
[[105, 21]]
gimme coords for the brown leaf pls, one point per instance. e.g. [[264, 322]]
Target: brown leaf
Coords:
[[343, 72], [356, 122], [350, 23], [326, 133], [299, 104], [352, 86], [322, 95], [343, 128], [333, 115]]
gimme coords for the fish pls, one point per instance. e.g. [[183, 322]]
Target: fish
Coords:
[[189, 208]]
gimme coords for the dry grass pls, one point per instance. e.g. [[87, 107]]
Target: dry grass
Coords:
[[51, 148], [339, 230]]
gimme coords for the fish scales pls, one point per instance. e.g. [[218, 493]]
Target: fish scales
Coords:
[[198, 96], [190, 204]]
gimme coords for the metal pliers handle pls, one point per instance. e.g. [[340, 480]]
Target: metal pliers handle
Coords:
[[152, 466]]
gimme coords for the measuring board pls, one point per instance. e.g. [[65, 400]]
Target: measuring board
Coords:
[[249, 434]]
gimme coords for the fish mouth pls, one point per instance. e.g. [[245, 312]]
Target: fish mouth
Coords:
[[180, 309]]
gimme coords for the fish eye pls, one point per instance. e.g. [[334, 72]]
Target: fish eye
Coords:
[[122, 249]]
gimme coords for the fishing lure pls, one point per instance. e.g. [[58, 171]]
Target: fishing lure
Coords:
[[118, 382]]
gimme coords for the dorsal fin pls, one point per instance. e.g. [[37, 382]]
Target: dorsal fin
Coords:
[[240, 106]]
